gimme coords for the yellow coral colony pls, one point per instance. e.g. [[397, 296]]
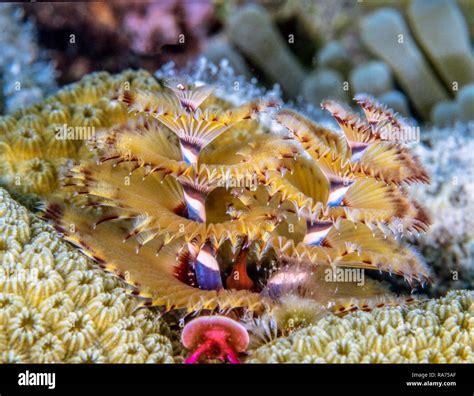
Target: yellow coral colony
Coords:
[[202, 206], [55, 307], [440, 331], [34, 143]]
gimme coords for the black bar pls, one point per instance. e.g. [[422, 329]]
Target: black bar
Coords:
[[86, 378]]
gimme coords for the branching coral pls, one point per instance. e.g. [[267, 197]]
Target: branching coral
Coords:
[[386, 335], [228, 211], [54, 307]]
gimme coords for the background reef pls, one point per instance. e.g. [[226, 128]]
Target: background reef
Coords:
[[26, 75], [416, 56], [302, 52], [448, 246], [114, 36]]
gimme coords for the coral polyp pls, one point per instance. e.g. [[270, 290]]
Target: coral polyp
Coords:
[[202, 206]]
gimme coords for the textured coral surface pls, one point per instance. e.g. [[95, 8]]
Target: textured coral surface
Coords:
[[55, 307], [438, 331]]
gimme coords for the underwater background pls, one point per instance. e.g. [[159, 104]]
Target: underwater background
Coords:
[[61, 63]]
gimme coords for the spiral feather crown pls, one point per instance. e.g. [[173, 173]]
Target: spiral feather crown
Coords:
[[203, 206]]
